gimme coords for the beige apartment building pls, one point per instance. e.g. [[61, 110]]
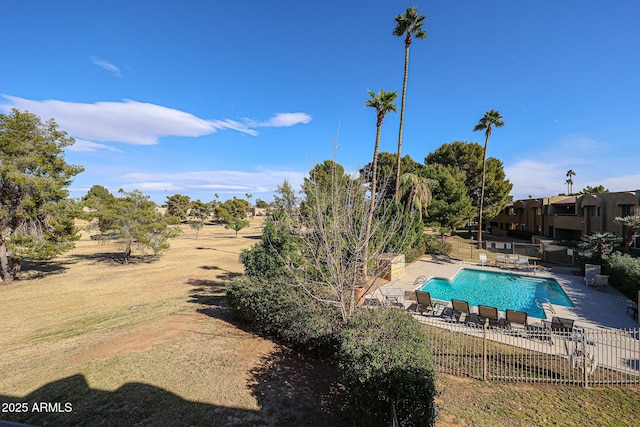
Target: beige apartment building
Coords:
[[567, 217]]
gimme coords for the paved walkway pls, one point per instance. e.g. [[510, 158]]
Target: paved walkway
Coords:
[[592, 308]]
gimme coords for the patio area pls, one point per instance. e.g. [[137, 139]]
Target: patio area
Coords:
[[592, 308], [604, 330]]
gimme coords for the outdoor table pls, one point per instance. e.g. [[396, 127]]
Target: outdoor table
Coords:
[[392, 295]]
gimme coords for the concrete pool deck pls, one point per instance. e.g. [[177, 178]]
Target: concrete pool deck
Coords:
[[592, 308]]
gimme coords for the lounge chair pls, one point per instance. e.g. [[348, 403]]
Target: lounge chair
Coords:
[[488, 313], [425, 303], [560, 324], [600, 282], [500, 259], [483, 259], [523, 262], [515, 317], [590, 271], [513, 259], [459, 308]]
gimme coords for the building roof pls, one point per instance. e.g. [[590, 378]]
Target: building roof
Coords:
[[565, 201]]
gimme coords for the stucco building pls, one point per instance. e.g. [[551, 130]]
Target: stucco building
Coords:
[[567, 217]]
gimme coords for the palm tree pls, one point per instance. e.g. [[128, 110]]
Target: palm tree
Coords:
[[487, 122], [416, 192], [569, 181], [383, 103], [409, 25]]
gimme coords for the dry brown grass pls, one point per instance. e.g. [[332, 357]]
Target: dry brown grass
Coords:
[[179, 358], [148, 342]]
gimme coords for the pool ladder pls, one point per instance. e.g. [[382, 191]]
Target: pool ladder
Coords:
[[420, 280], [545, 304]]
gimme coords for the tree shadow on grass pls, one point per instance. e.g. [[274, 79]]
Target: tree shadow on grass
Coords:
[[37, 269], [211, 292], [70, 401], [207, 292], [115, 258], [299, 390]]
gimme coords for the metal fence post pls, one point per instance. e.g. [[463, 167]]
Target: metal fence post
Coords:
[[484, 352]]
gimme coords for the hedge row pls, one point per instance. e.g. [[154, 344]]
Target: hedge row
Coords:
[[386, 366]]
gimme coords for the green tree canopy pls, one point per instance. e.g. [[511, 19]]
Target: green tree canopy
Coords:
[[178, 205], [233, 213], [464, 159], [386, 182], [594, 190], [450, 206], [261, 204], [285, 197], [198, 214], [134, 223], [36, 216]]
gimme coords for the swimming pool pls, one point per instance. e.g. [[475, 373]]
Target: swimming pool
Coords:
[[502, 290]]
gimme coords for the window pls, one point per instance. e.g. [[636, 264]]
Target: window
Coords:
[[627, 210]]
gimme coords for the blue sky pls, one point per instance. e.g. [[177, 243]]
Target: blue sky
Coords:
[[205, 97]]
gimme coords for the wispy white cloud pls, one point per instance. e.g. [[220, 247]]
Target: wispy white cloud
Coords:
[[87, 146], [286, 120], [210, 182], [106, 65], [137, 123]]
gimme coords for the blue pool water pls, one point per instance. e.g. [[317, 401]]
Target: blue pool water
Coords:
[[502, 290]]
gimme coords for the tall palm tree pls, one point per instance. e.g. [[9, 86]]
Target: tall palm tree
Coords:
[[487, 122], [408, 25], [383, 103], [569, 181], [416, 192]]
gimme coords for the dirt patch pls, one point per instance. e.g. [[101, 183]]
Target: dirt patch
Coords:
[[142, 339]]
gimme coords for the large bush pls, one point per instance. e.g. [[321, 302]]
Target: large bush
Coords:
[[287, 313], [385, 360], [624, 273], [435, 246]]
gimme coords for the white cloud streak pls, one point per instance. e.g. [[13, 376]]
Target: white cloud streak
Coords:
[[286, 120], [210, 182], [83, 146], [106, 65], [137, 123]]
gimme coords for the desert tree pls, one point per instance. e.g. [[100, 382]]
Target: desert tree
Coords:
[[337, 239], [409, 24], [178, 205], [36, 215], [198, 214], [234, 214], [594, 190], [285, 197], [134, 223], [491, 119], [465, 161], [382, 102], [451, 206]]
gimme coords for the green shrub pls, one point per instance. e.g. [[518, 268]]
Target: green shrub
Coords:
[[436, 246], [286, 313], [384, 357], [624, 273], [413, 254]]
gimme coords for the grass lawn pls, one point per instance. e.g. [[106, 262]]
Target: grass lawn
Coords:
[[152, 343]]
